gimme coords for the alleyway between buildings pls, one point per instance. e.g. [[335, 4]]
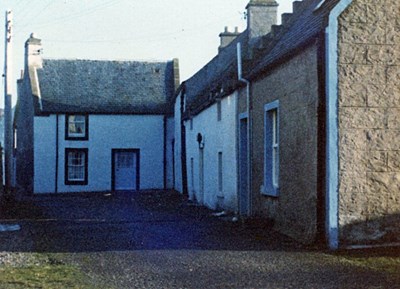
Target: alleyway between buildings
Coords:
[[160, 240]]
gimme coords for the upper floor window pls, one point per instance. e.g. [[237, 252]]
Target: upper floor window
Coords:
[[76, 127], [219, 110], [271, 149]]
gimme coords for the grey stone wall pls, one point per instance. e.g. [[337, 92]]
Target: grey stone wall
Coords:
[[24, 125], [295, 84], [369, 122]]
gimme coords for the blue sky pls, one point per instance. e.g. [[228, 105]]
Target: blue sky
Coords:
[[125, 29]]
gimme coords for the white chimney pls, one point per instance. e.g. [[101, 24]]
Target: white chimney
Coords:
[[33, 51], [227, 37], [261, 15]]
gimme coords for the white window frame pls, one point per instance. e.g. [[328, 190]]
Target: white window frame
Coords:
[[72, 121], [82, 165], [191, 123], [271, 149]]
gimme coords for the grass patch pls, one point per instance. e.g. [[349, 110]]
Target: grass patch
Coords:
[[380, 264], [385, 260], [53, 274]]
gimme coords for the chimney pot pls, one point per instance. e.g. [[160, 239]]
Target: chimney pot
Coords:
[[285, 17], [227, 37], [297, 6]]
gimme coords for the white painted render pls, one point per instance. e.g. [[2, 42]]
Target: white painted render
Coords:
[[178, 147], [106, 132], [170, 139], [218, 136], [44, 155]]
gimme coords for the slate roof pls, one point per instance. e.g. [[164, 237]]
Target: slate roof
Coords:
[[221, 72], [106, 87], [306, 25]]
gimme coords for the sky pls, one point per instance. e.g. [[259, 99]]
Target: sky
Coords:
[[124, 30]]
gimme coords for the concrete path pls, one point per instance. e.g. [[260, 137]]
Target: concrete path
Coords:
[[157, 240]]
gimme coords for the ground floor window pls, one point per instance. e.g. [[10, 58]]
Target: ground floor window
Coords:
[[76, 166], [271, 149]]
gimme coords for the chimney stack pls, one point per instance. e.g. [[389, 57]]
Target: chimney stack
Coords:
[[33, 51], [227, 37], [261, 15]]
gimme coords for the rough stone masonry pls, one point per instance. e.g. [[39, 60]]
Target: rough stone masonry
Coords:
[[369, 122]]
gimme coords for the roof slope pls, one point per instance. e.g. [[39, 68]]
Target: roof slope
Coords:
[[215, 75], [110, 87], [307, 24], [304, 25]]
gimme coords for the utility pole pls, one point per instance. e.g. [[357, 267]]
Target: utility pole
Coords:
[[7, 102]]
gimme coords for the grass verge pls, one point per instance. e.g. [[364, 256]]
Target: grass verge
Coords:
[[43, 273]]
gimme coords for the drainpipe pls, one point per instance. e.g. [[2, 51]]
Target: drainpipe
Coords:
[[332, 133], [247, 82], [165, 152], [56, 168]]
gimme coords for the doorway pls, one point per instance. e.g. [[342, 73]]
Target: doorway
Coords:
[[125, 169]]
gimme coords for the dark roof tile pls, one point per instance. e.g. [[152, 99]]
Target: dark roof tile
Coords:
[[93, 86]]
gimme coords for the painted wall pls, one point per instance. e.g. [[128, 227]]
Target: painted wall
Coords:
[[295, 85], [369, 123], [178, 148], [169, 157], [106, 132], [218, 136]]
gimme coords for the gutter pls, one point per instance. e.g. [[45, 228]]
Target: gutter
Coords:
[[247, 82], [332, 131]]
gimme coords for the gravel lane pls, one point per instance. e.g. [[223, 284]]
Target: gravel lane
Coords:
[[159, 240]]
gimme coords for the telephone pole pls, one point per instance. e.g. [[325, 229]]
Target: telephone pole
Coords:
[[7, 102]]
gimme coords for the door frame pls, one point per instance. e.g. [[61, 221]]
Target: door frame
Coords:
[[243, 168], [113, 153]]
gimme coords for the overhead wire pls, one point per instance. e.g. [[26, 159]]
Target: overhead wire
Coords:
[[72, 17], [136, 37], [36, 15]]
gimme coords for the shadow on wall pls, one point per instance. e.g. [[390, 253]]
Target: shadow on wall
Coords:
[[377, 231]]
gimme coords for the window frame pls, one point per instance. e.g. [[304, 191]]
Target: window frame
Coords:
[[271, 149], [68, 136], [219, 110], [83, 182]]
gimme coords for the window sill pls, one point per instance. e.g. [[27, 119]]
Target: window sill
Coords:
[[269, 193]]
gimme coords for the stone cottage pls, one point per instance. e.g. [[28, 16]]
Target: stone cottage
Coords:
[[316, 126], [324, 131]]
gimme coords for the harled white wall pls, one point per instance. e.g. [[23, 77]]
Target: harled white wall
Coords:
[[218, 136], [106, 132], [178, 148]]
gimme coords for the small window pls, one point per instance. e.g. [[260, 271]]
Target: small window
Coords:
[[219, 110], [76, 166], [191, 123], [76, 127], [271, 149]]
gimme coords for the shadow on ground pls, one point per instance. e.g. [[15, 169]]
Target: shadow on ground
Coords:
[[151, 220]]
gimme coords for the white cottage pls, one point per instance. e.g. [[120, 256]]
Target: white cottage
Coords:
[[214, 148], [90, 126]]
